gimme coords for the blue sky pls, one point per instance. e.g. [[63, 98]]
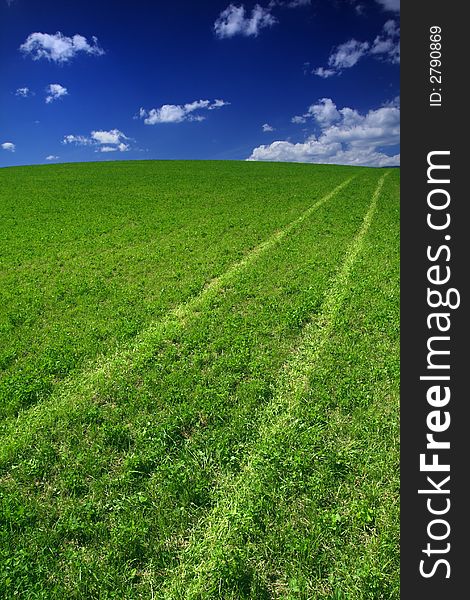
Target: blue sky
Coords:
[[297, 80]]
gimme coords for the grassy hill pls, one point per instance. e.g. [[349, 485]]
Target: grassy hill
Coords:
[[199, 381]]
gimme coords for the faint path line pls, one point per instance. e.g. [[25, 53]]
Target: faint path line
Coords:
[[189, 581], [83, 385], [216, 284]]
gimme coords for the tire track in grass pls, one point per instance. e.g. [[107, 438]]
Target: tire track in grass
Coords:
[[76, 393], [209, 543]]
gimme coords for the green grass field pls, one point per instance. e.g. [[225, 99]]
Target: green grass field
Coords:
[[199, 381]]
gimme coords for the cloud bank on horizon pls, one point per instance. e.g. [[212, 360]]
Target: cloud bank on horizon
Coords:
[[345, 137], [266, 60]]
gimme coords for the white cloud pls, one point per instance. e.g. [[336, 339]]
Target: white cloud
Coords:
[[192, 106], [345, 137], [23, 92], [217, 104], [395, 102], [391, 28], [324, 112], [9, 146], [176, 113], [168, 113], [105, 141], [296, 3], [386, 46], [310, 152], [232, 21], [55, 91], [141, 114], [391, 5], [322, 72], [58, 47], [289, 3], [267, 127], [52, 157], [80, 140], [349, 117], [114, 136], [347, 54], [119, 148], [388, 5]]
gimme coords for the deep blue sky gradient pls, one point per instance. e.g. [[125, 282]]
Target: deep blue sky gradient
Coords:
[[167, 53]]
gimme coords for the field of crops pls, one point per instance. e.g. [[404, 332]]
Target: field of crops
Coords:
[[199, 381]]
